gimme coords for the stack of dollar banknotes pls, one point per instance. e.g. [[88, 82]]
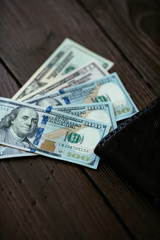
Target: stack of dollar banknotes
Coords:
[[67, 106]]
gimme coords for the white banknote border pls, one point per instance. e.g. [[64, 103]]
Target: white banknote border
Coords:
[[42, 67], [95, 161]]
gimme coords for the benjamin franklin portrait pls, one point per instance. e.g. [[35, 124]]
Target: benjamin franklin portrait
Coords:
[[16, 127]]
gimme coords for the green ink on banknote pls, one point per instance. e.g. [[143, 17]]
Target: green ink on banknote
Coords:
[[78, 156], [125, 110], [69, 69], [117, 113], [74, 138], [101, 99]]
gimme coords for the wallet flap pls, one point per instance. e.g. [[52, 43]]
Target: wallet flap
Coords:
[[134, 149]]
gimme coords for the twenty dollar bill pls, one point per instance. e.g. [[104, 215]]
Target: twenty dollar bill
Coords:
[[67, 57], [88, 72]]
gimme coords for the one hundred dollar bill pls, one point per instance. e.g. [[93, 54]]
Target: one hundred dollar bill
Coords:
[[109, 88], [101, 112], [53, 134], [67, 57], [88, 72]]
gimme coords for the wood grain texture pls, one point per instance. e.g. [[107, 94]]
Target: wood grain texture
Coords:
[[134, 29], [8, 85], [50, 199], [141, 218], [44, 26], [42, 198]]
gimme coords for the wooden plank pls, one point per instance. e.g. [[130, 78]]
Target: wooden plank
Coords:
[[141, 217], [40, 33], [34, 33], [35, 204], [112, 18], [133, 28], [49, 200], [8, 84]]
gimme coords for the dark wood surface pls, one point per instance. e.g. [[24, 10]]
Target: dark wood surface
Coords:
[[42, 198]]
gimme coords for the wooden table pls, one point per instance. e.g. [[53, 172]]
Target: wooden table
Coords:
[[42, 198]]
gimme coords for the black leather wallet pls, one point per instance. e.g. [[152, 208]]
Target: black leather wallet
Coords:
[[133, 150]]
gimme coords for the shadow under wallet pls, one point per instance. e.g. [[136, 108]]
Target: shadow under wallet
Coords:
[[133, 150]]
